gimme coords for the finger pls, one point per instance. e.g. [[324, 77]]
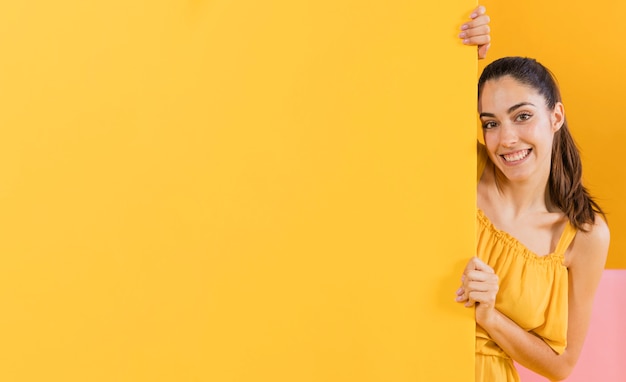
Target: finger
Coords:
[[482, 30], [475, 264], [475, 275], [485, 299], [481, 265], [481, 286], [478, 22], [470, 266], [469, 302], [481, 291], [479, 280], [466, 299], [477, 40], [461, 298], [480, 10], [482, 50], [460, 295]]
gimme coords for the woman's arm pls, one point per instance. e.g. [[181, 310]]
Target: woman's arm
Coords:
[[477, 31], [588, 257]]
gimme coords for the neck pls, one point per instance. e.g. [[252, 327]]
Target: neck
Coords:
[[520, 197]]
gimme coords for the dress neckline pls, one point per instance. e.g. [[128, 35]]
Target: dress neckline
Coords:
[[513, 241]]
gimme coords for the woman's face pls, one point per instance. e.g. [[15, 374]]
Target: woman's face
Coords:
[[518, 128]]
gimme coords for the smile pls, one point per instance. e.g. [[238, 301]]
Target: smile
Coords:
[[516, 156]]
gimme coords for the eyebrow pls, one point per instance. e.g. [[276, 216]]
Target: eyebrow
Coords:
[[511, 109]]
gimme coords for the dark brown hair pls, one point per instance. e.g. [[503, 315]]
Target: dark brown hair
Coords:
[[565, 183]]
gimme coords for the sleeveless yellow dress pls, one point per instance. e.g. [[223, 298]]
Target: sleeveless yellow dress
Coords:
[[533, 292]]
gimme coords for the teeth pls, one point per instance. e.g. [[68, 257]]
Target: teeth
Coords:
[[516, 156]]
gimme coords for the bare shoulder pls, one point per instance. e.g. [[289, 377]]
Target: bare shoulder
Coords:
[[590, 249]]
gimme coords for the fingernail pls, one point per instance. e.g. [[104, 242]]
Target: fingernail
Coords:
[[459, 291], [473, 15], [458, 298], [462, 35], [464, 27], [466, 41]]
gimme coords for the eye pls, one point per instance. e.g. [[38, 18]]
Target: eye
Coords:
[[489, 125], [524, 116]]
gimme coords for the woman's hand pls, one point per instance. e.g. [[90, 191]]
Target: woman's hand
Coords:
[[476, 32], [479, 286]]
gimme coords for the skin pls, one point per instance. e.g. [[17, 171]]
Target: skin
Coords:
[[476, 31], [513, 195]]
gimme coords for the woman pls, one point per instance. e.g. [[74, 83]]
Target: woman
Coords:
[[542, 241]]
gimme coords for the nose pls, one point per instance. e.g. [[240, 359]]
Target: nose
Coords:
[[508, 135]]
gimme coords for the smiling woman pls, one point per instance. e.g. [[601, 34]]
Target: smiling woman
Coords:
[[542, 241]]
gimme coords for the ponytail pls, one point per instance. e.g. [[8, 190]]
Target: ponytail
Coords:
[[565, 183]]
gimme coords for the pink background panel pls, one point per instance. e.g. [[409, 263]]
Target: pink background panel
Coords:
[[604, 355]]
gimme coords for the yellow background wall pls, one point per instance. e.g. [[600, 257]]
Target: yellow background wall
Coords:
[[235, 190], [583, 44]]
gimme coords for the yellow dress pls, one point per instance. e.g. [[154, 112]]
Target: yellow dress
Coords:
[[533, 292]]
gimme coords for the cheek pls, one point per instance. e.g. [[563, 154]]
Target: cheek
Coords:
[[541, 134], [491, 143], [491, 139]]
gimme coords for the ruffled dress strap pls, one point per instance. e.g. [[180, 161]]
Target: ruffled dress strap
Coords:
[[566, 239]]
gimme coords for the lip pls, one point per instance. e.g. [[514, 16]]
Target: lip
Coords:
[[516, 152]]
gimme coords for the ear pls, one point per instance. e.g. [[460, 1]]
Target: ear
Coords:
[[557, 117]]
